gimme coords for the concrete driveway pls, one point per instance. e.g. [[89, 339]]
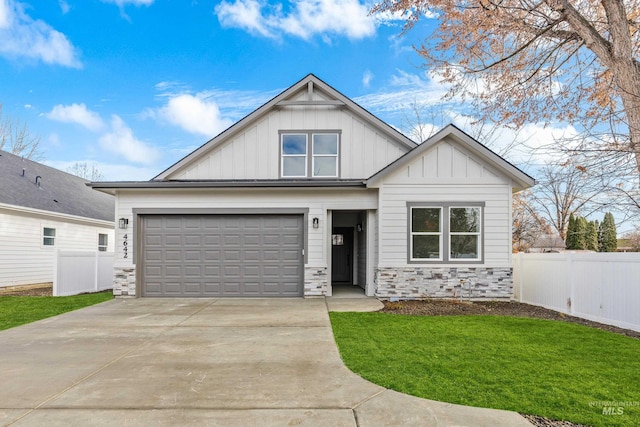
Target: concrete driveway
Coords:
[[207, 362]]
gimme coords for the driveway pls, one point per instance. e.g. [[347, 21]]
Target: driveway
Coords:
[[201, 362]]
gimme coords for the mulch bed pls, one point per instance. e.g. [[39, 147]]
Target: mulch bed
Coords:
[[44, 291], [494, 308], [498, 308]]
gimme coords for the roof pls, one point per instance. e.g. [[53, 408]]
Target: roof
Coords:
[[521, 179], [310, 83], [108, 187], [30, 184]]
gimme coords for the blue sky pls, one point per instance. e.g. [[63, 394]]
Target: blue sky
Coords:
[[134, 85]]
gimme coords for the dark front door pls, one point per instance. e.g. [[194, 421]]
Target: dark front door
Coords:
[[342, 255]]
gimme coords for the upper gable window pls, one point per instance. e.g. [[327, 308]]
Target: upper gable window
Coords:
[[309, 154]]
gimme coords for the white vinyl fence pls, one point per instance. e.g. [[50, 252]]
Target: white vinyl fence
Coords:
[[603, 287], [76, 272]]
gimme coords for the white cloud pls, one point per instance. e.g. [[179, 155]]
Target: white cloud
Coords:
[[305, 19], [24, 37], [76, 113], [64, 6], [121, 141], [366, 78], [194, 114]]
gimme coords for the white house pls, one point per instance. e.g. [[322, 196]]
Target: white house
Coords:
[[310, 191], [43, 209]]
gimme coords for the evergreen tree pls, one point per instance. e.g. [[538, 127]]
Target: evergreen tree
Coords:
[[608, 240], [592, 236], [581, 233]]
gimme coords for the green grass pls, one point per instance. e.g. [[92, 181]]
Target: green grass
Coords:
[[541, 367], [15, 311]]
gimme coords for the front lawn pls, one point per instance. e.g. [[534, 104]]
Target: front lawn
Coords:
[[15, 310], [548, 368]]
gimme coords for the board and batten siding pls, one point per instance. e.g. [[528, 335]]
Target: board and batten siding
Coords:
[[445, 173], [318, 202], [254, 153], [24, 260]]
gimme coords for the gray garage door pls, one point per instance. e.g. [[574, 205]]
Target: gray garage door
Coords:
[[222, 255]]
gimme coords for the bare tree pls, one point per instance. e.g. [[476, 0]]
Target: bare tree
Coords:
[[86, 171], [16, 138], [524, 61], [527, 224], [566, 189]]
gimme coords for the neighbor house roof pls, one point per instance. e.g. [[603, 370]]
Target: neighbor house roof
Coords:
[[521, 180], [309, 83], [28, 184]]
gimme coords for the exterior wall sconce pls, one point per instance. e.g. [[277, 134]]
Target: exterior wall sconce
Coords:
[[123, 223], [316, 222], [359, 227]]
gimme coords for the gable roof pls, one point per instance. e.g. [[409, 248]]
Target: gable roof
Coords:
[[55, 191], [521, 180], [310, 83]]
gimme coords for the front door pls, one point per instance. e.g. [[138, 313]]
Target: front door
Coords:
[[342, 255]]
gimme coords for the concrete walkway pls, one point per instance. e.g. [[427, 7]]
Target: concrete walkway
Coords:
[[196, 362]]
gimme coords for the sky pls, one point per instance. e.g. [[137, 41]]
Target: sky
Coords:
[[132, 86]]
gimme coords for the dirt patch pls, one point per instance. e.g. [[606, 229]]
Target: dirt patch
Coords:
[[41, 291], [494, 308]]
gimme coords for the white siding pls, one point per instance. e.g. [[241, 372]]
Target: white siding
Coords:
[[445, 173], [254, 152], [23, 258], [317, 201]]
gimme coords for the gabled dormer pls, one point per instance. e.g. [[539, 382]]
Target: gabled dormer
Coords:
[[310, 131]]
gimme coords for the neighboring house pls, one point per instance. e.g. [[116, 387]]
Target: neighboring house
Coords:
[[311, 190], [548, 243], [43, 209]]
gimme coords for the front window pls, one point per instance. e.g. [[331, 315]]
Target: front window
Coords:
[[103, 242], [294, 155], [445, 233], [309, 155], [48, 236]]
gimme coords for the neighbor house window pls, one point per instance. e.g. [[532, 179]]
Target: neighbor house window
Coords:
[[103, 242], [445, 232], [48, 236], [309, 154]]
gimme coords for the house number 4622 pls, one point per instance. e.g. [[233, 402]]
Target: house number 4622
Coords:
[[125, 249]]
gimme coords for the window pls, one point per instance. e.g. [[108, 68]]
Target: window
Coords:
[[309, 155], [445, 232], [48, 236], [103, 242]]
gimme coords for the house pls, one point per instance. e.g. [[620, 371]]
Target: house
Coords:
[[43, 209], [310, 191], [548, 242]]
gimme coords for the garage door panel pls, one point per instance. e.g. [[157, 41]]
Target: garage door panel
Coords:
[[222, 255]]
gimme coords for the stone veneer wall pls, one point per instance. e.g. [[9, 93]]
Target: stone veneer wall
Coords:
[[316, 282], [444, 282], [124, 281]]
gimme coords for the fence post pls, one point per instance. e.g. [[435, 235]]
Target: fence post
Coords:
[[96, 268], [570, 276], [56, 279]]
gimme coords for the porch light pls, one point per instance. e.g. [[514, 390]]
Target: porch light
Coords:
[[316, 222], [359, 227], [123, 223]]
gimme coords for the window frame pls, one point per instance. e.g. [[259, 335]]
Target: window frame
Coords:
[[46, 236], [310, 156], [105, 246], [445, 232]]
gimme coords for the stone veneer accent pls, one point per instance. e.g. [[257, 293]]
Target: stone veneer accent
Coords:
[[316, 282], [444, 282], [124, 281]]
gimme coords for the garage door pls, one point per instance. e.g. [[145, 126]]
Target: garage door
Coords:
[[222, 255]]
